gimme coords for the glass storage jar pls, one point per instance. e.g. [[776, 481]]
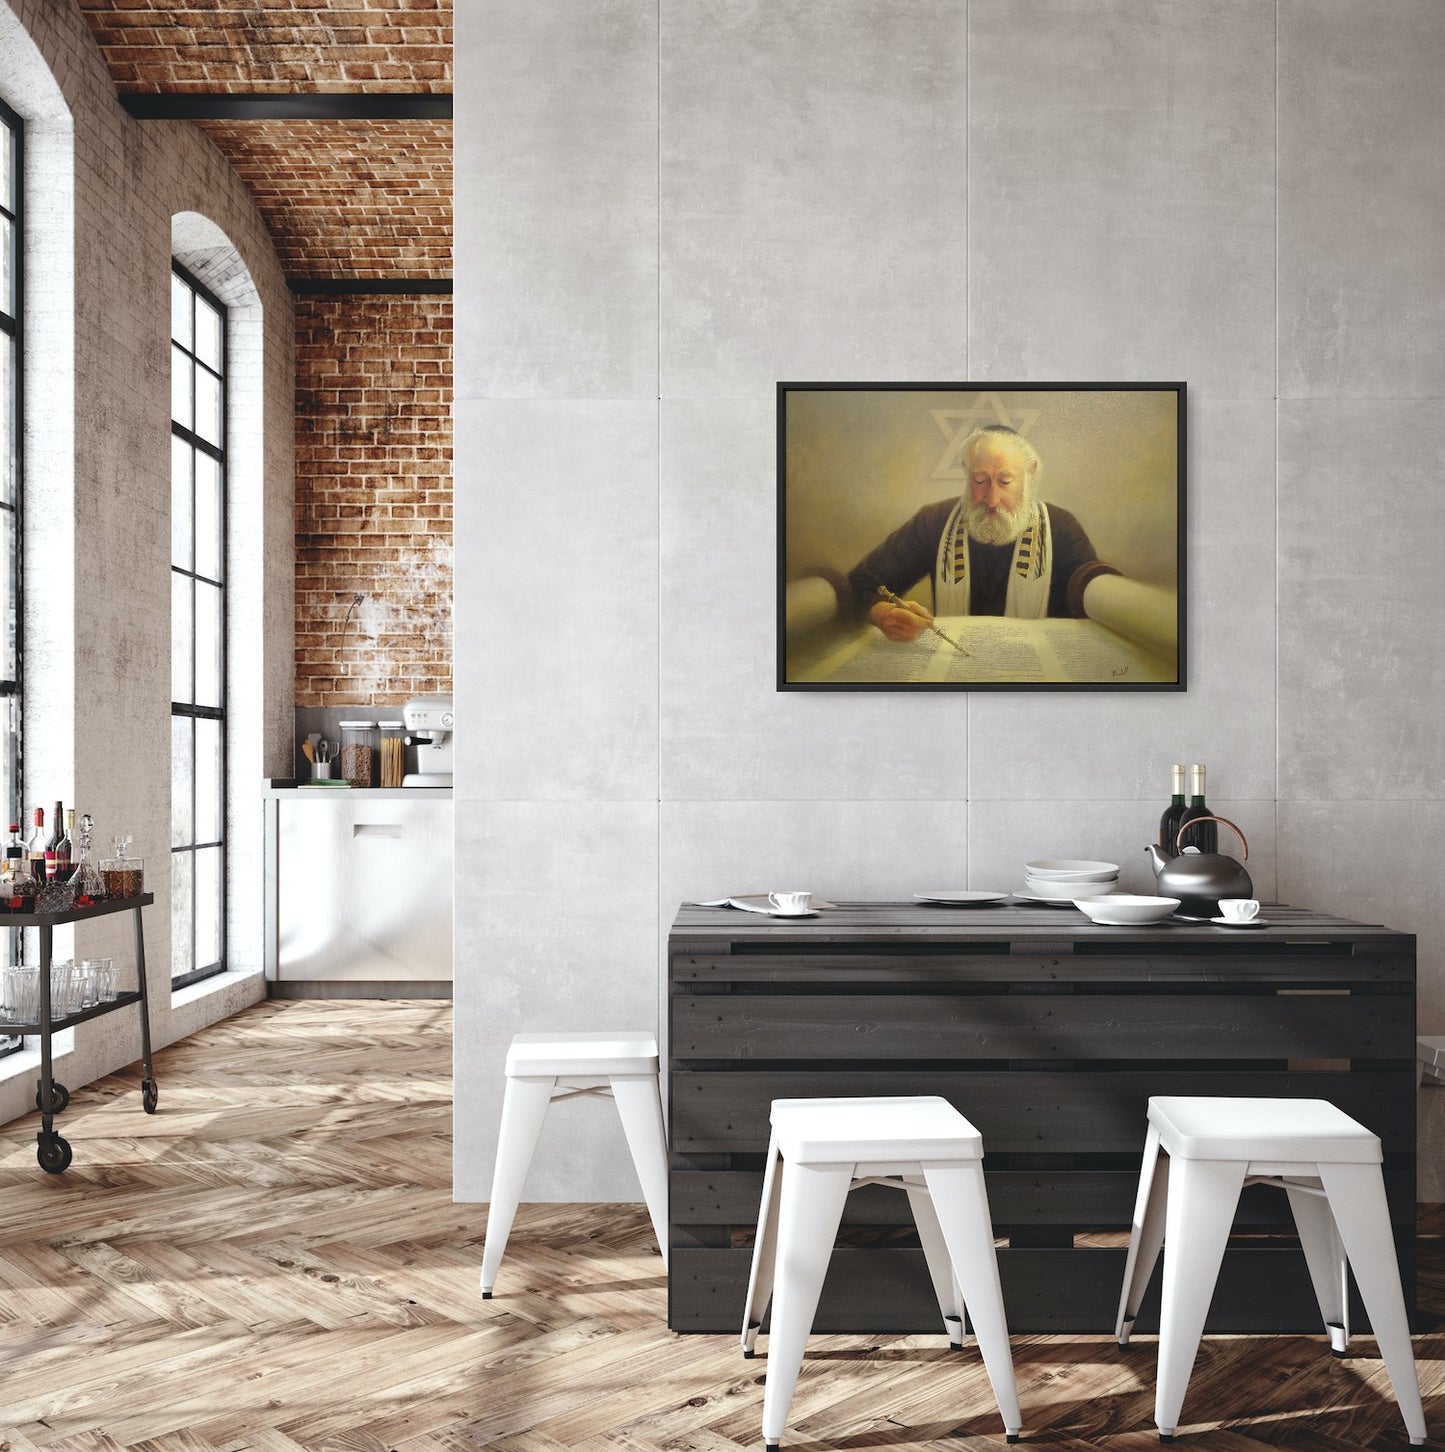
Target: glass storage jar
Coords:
[[393, 752], [358, 755]]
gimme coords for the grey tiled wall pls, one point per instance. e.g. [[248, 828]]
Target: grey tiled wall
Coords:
[[664, 209]]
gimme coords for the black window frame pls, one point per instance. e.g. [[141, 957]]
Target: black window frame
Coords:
[[189, 709], [12, 690]]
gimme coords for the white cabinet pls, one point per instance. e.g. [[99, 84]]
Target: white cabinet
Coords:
[[360, 887]]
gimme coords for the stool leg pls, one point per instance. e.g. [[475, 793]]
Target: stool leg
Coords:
[[811, 1207], [1325, 1257], [765, 1249], [1203, 1195], [940, 1267], [524, 1107], [1146, 1235], [961, 1202], [1357, 1201], [639, 1106]]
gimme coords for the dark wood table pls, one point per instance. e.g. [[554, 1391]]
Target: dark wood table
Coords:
[[1049, 1033]]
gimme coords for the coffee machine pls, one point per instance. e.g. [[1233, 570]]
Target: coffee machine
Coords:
[[428, 721]]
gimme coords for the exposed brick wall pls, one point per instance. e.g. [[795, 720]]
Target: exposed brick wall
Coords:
[[349, 198], [373, 499], [275, 45]]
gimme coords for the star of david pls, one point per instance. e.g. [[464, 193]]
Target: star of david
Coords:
[[956, 424]]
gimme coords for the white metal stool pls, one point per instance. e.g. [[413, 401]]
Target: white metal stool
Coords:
[[544, 1067], [819, 1150], [1327, 1164]]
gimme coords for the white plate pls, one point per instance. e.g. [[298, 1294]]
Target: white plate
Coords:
[[1122, 909], [1068, 891], [961, 899], [761, 904], [1077, 868], [1067, 902], [1230, 923]]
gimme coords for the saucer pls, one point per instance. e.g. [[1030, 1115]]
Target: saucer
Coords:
[[1055, 902], [960, 899], [760, 904], [1248, 923]]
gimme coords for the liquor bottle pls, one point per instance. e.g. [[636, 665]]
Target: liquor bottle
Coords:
[[1169, 822], [1206, 835], [17, 892], [35, 846], [52, 847], [65, 848]]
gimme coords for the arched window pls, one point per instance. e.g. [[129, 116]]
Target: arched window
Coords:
[[198, 631]]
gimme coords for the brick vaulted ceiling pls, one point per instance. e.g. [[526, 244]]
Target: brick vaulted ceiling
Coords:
[[363, 199]]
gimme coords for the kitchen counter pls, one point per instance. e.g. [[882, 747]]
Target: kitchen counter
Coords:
[[358, 891], [275, 788], [1049, 1033]]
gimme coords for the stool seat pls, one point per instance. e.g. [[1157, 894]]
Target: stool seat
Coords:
[[541, 1068], [1313, 1130], [604, 1053], [819, 1150], [1199, 1153], [882, 1130]]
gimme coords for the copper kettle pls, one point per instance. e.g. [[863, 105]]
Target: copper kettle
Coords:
[[1200, 879]]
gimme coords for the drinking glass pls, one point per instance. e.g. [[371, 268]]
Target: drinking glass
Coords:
[[104, 979], [60, 976]]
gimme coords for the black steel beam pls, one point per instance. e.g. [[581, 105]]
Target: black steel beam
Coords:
[[368, 286], [327, 106]]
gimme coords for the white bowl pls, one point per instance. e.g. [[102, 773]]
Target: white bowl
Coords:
[[1057, 891], [1120, 908], [1074, 868]]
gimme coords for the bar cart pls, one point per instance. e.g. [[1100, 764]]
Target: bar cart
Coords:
[[52, 1151]]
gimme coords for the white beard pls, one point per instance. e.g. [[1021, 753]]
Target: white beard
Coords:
[[1000, 526]]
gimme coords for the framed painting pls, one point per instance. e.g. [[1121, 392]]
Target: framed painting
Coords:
[[981, 536]]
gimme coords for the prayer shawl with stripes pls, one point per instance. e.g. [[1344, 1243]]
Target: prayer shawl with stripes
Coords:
[[1029, 574]]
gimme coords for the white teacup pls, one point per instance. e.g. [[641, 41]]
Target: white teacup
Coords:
[[791, 902], [1239, 909]]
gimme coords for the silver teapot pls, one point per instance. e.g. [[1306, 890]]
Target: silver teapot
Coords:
[[1200, 879]]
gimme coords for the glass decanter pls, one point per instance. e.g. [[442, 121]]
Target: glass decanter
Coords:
[[89, 885]]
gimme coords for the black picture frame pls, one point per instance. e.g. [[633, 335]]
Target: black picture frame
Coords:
[[865, 462]]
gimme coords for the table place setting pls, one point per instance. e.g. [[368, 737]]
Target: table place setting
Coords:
[[773, 904]]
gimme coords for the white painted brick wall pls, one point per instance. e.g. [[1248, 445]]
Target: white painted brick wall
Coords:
[[97, 629]]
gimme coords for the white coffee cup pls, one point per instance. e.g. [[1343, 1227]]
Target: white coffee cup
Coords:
[[1239, 909], [791, 902]]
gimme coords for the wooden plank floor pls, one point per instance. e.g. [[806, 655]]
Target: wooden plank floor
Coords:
[[274, 1261]]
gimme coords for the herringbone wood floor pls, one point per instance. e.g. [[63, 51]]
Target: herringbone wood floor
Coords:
[[274, 1261]]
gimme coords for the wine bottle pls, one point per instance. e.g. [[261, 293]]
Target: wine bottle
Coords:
[[1169, 822], [52, 847], [35, 846], [65, 848], [1206, 835]]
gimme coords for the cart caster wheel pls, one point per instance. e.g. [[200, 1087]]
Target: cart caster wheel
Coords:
[[53, 1153], [59, 1093], [149, 1095]]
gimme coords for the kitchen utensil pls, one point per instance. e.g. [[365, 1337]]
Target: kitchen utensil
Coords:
[[1200, 879], [1122, 909], [325, 751], [308, 751]]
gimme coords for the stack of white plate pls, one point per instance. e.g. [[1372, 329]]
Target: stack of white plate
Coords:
[[1062, 879]]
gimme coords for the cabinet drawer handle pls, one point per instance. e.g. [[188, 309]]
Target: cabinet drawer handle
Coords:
[[376, 829]]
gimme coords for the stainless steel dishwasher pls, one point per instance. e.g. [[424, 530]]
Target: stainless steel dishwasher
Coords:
[[360, 892]]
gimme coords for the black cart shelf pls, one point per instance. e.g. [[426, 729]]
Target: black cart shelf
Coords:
[[52, 1150]]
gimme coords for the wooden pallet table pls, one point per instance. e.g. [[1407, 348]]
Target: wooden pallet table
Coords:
[[1049, 1033]]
